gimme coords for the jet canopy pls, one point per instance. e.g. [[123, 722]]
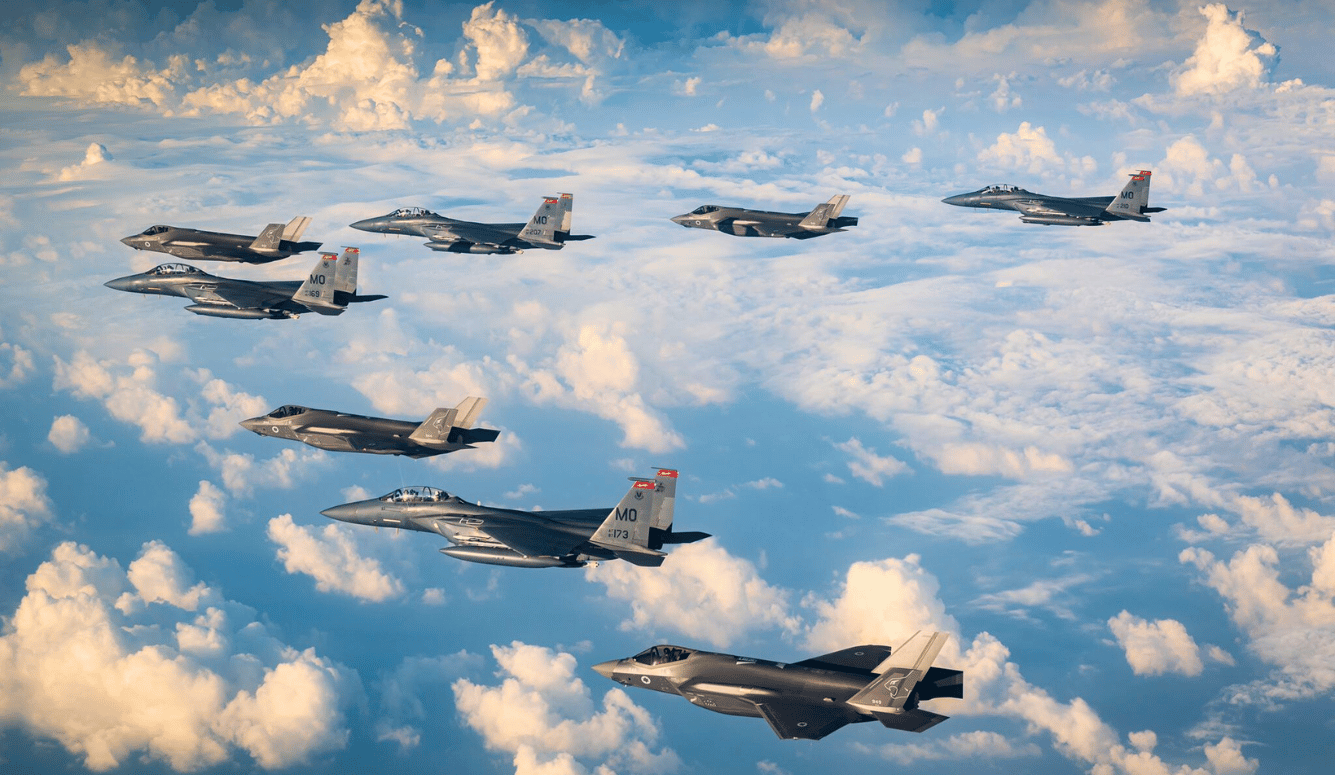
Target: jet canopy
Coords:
[[661, 655], [1003, 188], [289, 410], [151, 230], [416, 495], [705, 210], [172, 269], [411, 212]]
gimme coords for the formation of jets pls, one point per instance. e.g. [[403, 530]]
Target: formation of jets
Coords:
[[802, 700]]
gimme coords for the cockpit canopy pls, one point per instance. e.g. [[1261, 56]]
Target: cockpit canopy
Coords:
[[661, 655], [290, 410], [170, 269], [151, 230], [411, 212], [416, 495], [1003, 188], [705, 209]]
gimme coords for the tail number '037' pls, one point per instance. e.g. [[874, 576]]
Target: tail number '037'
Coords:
[[628, 515]]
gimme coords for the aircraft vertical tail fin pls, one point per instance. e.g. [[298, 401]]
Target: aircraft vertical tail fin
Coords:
[[891, 697], [345, 276], [666, 479], [1134, 200], [455, 425], [269, 239], [541, 228], [295, 228], [820, 217], [626, 529], [567, 212], [318, 291]]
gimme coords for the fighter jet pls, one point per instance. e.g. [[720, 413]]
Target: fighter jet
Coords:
[[329, 289], [825, 219], [635, 530], [1130, 205], [549, 228], [446, 430], [804, 700], [275, 242]]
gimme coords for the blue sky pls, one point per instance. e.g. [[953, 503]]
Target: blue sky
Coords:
[[1099, 458]]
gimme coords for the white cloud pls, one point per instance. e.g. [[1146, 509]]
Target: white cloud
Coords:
[[68, 434], [330, 557], [241, 474], [1157, 647], [688, 87], [912, 156], [1228, 56], [1030, 150], [1188, 168], [23, 505], [1002, 99], [966, 745], [866, 465], [130, 397], [817, 99], [414, 691], [701, 591], [187, 698], [764, 484], [208, 509], [95, 155], [20, 364], [544, 716], [92, 74], [931, 119]]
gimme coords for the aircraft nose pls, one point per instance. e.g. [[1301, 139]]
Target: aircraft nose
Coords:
[[681, 219], [119, 284], [369, 224], [961, 200], [253, 424], [130, 241], [605, 669], [347, 512]]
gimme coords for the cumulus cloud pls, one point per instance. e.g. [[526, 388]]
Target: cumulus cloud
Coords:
[[208, 509], [412, 692], [700, 591], [546, 718], [242, 473], [866, 465], [20, 364], [817, 99], [186, 682], [330, 556], [967, 745], [68, 434], [1187, 167], [94, 74], [1030, 150], [1227, 57], [23, 505], [1157, 647], [95, 155], [1002, 98]]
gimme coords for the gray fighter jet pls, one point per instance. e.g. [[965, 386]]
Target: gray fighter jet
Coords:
[[1130, 205], [825, 219], [329, 289], [635, 530], [549, 228], [804, 700], [446, 430], [275, 242]]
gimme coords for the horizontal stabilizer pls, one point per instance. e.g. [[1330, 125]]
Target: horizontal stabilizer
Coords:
[[899, 674], [645, 558], [911, 720], [440, 426], [689, 537], [820, 217]]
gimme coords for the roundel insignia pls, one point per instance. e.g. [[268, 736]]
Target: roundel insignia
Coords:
[[273, 428], [644, 679], [802, 724], [858, 653]]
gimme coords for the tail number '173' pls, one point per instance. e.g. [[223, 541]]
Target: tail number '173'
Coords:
[[619, 533]]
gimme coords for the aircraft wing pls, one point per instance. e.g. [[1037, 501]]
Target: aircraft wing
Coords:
[[241, 297], [857, 658], [477, 233], [794, 721], [529, 536]]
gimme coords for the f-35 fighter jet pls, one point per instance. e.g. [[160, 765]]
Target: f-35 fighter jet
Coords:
[[635, 530], [329, 289], [825, 219], [1130, 205], [275, 242], [549, 228], [446, 430], [804, 700]]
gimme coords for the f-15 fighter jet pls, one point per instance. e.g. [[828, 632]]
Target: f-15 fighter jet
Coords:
[[825, 219], [804, 700], [549, 228], [635, 530], [1130, 205], [275, 242], [329, 289], [446, 430]]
